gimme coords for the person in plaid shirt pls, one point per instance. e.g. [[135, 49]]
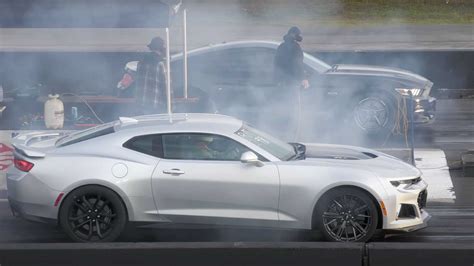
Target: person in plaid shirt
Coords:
[[150, 94]]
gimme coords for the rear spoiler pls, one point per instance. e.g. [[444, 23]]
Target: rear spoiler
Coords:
[[22, 143], [28, 152]]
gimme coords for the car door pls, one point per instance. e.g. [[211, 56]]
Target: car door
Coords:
[[201, 180]]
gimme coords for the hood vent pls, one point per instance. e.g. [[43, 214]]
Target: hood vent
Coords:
[[337, 153], [371, 155]]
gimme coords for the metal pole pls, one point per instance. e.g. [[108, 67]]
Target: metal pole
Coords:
[[168, 76], [412, 129], [185, 54]]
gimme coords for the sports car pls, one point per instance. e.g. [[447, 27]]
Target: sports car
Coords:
[[208, 169]]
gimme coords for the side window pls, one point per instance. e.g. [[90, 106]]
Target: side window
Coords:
[[261, 65], [195, 146], [234, 66], [249, 66], [201, 70], [149, 144]]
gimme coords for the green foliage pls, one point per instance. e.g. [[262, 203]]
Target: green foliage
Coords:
[[358, 11], [409, 11]]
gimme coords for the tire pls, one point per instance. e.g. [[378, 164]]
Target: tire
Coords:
[[346, 215], [373, 114], [93, 214]]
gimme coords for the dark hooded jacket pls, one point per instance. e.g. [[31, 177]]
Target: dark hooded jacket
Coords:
[[289, 67]]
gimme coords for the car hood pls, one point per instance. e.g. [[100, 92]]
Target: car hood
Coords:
[[338, 152], [383, 165], [383, 72]]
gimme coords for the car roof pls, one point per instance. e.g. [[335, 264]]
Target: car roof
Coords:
[[183, 122], [228, 45], [313, 62]]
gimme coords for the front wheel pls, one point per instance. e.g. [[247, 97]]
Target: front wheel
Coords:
[[347, 215], [93, 214], [374, 114]]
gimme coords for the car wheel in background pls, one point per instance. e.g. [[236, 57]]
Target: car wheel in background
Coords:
[[374, 114], [93, 214], [346, 215]]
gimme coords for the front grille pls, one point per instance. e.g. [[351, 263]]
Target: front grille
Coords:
[[422, 199]]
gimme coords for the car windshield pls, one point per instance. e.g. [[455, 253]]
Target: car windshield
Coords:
[[315, 63], [276, 147], [86, 134]]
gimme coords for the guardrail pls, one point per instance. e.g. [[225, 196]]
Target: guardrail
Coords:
[[229, 254], [177, 254], [416, 254], [454, 93]]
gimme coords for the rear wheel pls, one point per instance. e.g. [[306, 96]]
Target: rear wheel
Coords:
[[93, 214], [347, 215]]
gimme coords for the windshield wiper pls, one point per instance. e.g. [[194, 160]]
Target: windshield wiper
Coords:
[[300, 152]]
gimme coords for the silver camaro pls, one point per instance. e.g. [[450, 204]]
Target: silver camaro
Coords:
[[208, 169]]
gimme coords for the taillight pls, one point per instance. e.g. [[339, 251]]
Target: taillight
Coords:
[[23, 165]]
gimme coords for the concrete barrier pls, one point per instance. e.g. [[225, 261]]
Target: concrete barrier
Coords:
[[416, 254], [176, 254], [238, 254]]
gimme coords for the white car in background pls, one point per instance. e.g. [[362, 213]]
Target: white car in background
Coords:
[[208, 169]]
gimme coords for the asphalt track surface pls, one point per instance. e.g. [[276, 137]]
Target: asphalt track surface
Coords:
[[448, 224], [453, 128]]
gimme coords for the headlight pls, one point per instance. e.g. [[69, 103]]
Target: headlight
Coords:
[[405, 182], [408, 92]]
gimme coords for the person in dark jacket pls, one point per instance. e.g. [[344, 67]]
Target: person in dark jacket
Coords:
[[150, 93], [289, 67], [290, 78]]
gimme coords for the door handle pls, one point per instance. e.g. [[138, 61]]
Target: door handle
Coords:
[[173, 172]]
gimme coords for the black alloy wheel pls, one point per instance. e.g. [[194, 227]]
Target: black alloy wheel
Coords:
[[347, 215], [93, 214]]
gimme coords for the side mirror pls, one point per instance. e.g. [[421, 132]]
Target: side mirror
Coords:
[[249, 157]]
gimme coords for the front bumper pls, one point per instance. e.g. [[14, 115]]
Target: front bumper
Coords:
[[405, 208], [425, 217], [424, 109]]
